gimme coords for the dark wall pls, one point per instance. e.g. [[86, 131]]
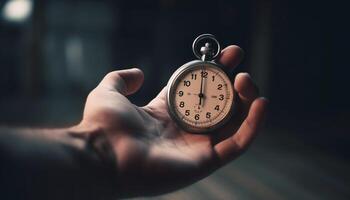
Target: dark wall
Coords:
[[297, 51], [310, 63]]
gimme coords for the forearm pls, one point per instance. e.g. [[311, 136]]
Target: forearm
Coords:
[[55, 164]]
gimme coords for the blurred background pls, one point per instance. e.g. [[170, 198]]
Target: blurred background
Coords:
[[53, 52]]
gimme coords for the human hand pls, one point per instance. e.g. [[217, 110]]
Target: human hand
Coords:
[[152, 154]]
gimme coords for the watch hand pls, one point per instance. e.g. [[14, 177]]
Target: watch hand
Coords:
[[201, 89]]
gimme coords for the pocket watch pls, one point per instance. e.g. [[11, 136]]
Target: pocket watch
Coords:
[[200, 94]]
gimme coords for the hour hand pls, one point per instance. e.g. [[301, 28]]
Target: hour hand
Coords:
[[200, 95]]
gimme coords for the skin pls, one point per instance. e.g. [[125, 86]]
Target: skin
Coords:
[[151, 155]]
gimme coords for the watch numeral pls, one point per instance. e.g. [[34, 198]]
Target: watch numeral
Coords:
[[181, 93], [187, 83], [217, 107], [204, 74], [221, 97], [208, 115], [194, 76], [220, 87], [196, 117], [213, 78], [182, 104], [187, 112]]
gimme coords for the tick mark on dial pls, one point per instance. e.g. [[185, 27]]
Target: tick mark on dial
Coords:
[[214, 96]]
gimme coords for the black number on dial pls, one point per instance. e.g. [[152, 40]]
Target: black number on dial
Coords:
[[187, 112], [196, 117], [220, 87], [208, 115], [213, 78], [221, 97], [204, 74], [194, 76], [181, 93], [182, 104], [217, 107], [187, 83]]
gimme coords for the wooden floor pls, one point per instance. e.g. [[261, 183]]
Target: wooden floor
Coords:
[[276, 167]]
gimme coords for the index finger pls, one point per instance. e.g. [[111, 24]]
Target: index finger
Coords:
[[233, 146], [231, 56]]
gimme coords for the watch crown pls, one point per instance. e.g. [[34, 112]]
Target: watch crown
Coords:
[[207, 50], [206, 47]]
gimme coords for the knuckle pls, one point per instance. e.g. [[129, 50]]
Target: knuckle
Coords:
[[113, 75]]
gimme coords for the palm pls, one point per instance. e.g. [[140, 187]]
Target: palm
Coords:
[[154, 155], [148, 143]]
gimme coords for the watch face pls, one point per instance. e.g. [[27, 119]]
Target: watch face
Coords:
[[200, 96]]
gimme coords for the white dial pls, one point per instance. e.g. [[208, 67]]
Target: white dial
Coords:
[[200, 96]]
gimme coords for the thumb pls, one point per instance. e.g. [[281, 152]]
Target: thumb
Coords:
[[126, 81]]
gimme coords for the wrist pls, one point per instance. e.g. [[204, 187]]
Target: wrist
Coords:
[[96, 146], [65, 163], [81, 134], [94, 140]]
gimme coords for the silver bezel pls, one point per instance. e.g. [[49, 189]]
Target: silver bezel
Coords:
[[171, 84]]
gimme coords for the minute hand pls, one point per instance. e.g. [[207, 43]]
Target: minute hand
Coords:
[[201, 95]]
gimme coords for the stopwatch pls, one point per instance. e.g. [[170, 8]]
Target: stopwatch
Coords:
[[200, 94]]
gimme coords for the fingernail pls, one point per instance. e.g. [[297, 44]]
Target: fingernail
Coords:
[[246, 74]]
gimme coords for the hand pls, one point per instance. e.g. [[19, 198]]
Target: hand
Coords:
[[153, 155]]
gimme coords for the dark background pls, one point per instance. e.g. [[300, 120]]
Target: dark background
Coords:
[[297, 51]]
